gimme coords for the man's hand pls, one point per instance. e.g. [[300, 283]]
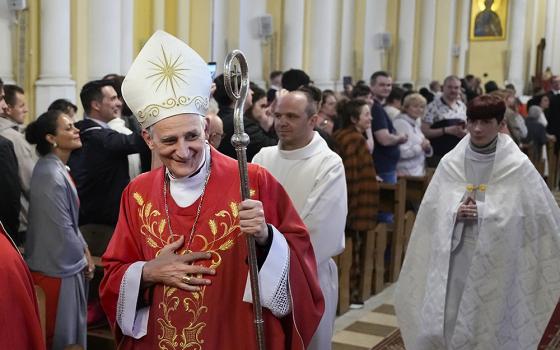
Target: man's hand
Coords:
[[456, 130], [177, 270], [252, 221], [468, 210]]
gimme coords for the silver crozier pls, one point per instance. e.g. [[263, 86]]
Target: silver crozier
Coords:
[[236, 81]]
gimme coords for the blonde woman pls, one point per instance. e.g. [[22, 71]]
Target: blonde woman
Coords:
[[415, 150]]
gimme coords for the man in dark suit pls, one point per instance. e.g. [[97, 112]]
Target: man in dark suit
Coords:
[[10, 187], [100, 167], [553, 111]]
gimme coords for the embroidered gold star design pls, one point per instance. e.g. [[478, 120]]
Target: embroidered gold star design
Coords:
[[168, 71]]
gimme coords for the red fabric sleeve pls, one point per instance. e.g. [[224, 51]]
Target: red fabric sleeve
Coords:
[[20, 328], [123, 250], [307, 298]]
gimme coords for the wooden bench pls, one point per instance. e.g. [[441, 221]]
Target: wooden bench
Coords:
[[344, 264], [392, 199]]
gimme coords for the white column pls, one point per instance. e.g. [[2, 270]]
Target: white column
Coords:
[[54, 77], [464, 40], [104, 34], [555, 42], [534, 41], [405, 41], [516, 44], [347, 41], [6, 64], [376, 13], [451, 41], [551, 27], [127, 35], [323, 36], [159, 15], [183, 19], [427, 35], [219, 39], [249, 41], [292, 34]]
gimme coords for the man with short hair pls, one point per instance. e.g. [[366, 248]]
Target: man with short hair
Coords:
[[100, 167], [16, 103], [176, 272], [314, 177], [481, 269], [25, 153], [445, 120], [386, 153]]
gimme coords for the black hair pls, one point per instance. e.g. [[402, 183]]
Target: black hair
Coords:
[[361, 91], [490, 86], [396, 94], [220, 95], [91, 91], [294, 79], [36, 131], [63, 105]]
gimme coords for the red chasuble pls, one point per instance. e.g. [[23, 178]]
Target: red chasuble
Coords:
[[215, 317], [20, 328]]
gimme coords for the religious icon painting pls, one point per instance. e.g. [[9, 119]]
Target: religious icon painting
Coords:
[[488, 19]]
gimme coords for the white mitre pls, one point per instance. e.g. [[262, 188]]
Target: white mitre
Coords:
[[167, 78]]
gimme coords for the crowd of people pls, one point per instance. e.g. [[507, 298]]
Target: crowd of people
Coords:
[[155, 165]]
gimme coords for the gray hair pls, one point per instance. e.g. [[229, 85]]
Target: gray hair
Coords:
[[213, 106]]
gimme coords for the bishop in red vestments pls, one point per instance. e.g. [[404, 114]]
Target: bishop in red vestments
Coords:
[[176, 271], [20, 328]]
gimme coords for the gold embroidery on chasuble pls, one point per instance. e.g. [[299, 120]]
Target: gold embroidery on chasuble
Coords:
[[223, 225]]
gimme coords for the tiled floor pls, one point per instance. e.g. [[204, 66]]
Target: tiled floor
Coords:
[[364, 328]]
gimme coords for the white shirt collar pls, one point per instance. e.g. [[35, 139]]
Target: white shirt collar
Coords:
[[186, 190]]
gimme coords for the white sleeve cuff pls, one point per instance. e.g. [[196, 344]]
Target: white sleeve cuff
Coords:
[[273, 278], [132, 322]]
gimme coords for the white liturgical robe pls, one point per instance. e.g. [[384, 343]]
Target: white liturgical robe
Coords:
[[314, 178], [513, 283]]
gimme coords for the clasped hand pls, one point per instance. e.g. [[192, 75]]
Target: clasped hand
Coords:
[[468, 210]]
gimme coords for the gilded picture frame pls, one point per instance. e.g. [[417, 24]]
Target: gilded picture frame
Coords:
[[488, 20]]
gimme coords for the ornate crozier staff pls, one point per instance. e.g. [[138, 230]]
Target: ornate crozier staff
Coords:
[[236, 81]]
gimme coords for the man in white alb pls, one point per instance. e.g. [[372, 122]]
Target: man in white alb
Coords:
[[313, 176], [482, 269]]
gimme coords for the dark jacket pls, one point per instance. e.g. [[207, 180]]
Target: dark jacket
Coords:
[[10, 188], [553, 117], [100, 169]]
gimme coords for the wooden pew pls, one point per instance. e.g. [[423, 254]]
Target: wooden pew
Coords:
[[344, 264], [392, 198], [377, 277]]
